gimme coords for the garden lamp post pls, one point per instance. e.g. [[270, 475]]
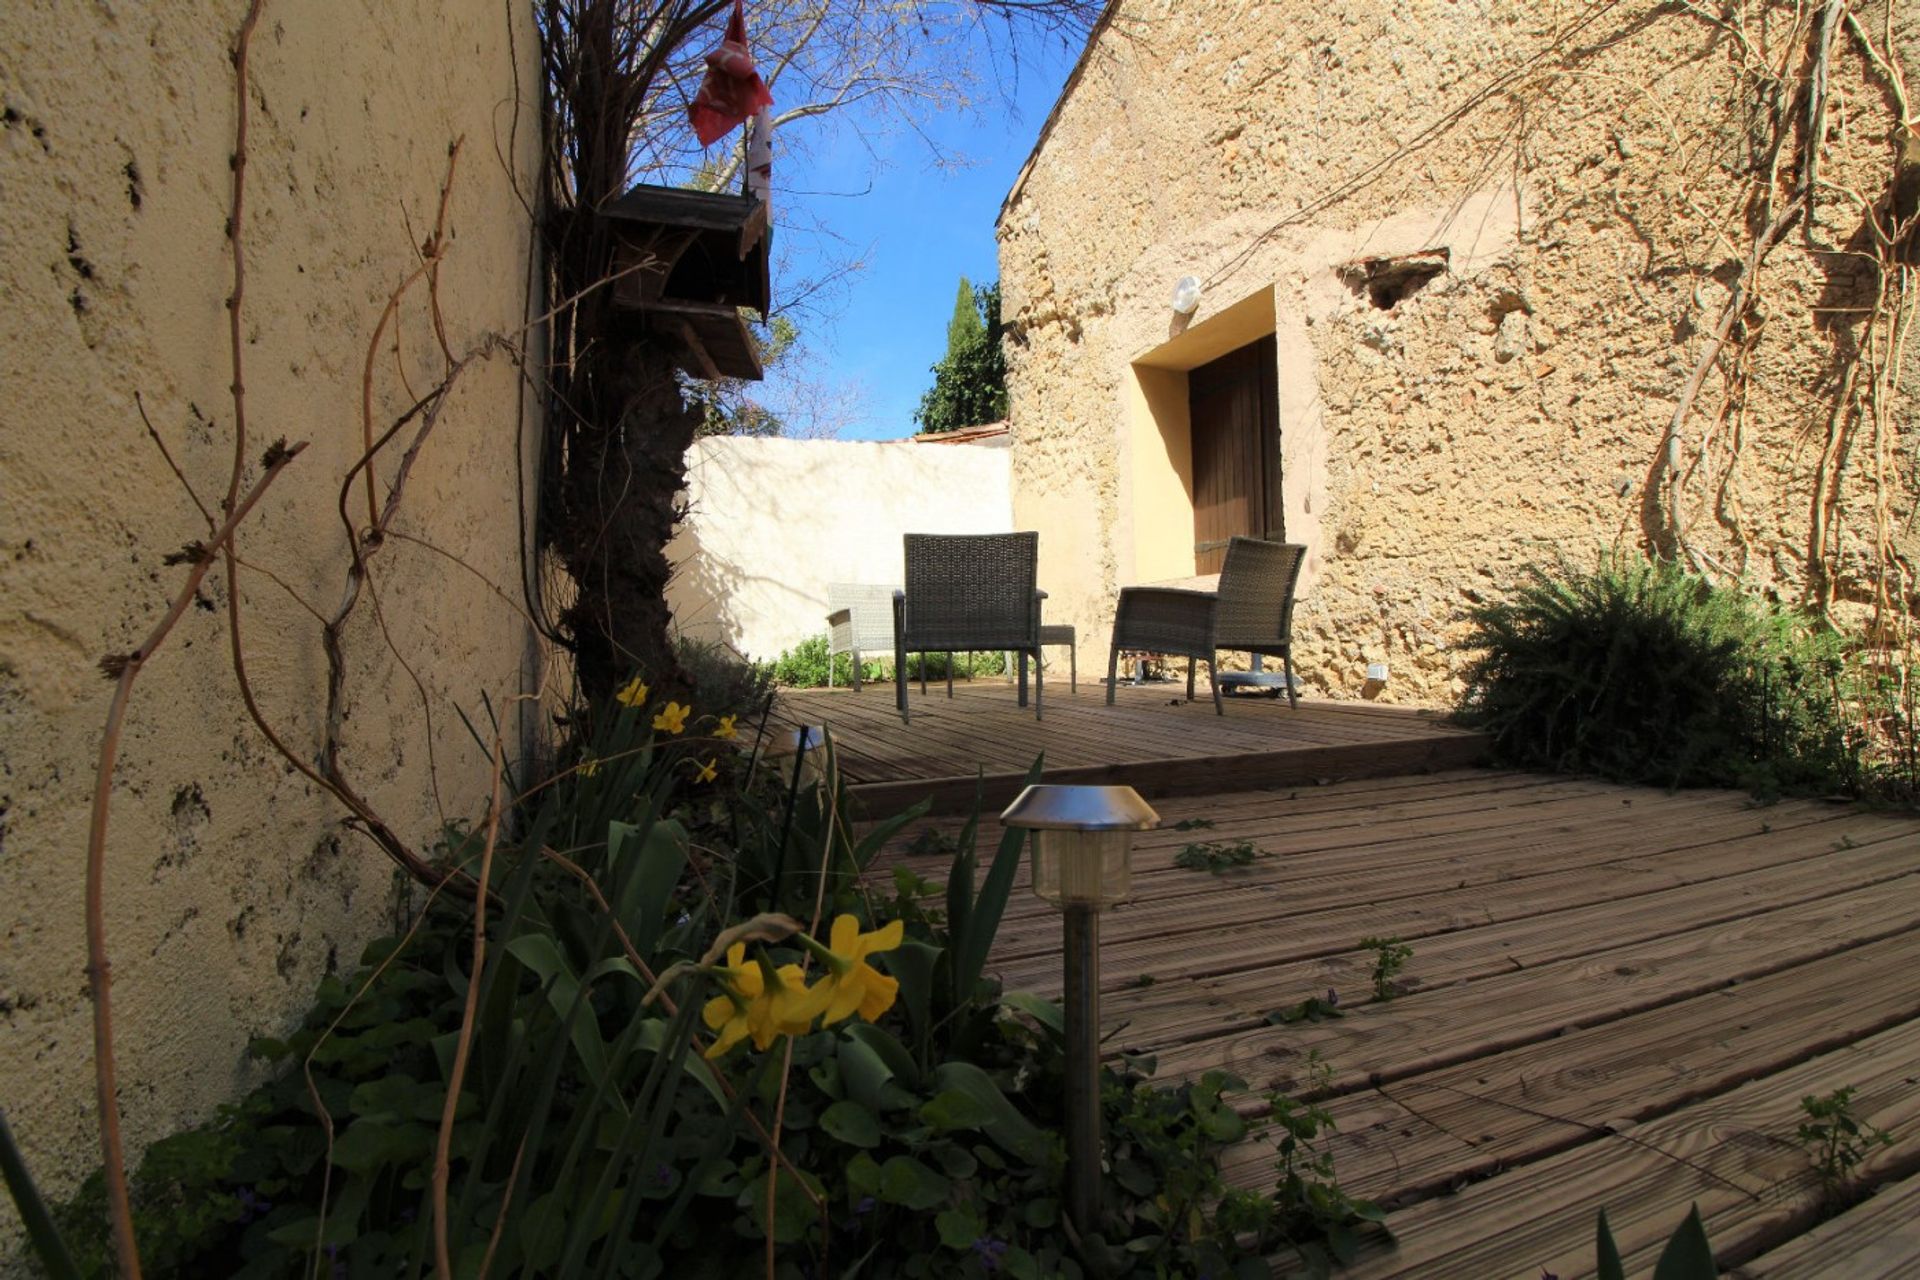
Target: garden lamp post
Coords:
[[806, 745], [1082, 862]]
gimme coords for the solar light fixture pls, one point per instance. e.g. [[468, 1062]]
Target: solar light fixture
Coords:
[[1082, 862]]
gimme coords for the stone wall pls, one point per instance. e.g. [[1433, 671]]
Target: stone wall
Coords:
[[771, 522], [1591, 186], [232, 884]]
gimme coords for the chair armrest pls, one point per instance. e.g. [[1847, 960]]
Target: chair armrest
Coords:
[[840, 617]]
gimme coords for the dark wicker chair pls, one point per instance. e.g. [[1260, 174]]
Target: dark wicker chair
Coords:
[[969, 592], [1252, 612]]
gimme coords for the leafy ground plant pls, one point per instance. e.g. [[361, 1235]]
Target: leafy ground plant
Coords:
[[1687, 1255], [1390, 956], [698, 1045], [1836, 1138], [1218, 856]]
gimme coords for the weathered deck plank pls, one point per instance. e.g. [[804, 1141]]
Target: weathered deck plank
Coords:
[[1876, 1240], [1617, 997]]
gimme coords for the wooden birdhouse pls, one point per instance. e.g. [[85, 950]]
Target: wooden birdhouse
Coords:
[[687, 262]]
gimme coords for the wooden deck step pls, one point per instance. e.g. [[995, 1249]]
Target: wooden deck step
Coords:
[[1875, 1240], [1152, 740]]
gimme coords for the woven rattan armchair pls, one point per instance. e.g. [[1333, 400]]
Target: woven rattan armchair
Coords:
[[967, 592], [1252, 612], [860, 621]]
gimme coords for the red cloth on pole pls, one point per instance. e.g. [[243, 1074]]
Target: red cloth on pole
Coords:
[[732, 90]]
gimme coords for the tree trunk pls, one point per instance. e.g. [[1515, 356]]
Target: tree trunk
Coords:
[[620, 492]]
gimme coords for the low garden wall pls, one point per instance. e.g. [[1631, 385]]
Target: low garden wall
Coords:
[[771, 522]]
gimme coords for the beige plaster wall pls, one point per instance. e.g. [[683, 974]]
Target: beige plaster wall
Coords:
[[233, 886], [1507, 413], [772, 522]]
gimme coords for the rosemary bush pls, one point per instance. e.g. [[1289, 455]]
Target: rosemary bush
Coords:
[[1642, 672]]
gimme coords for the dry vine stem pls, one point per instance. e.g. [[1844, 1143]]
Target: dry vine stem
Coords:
[[125, 668], [443, 1144]]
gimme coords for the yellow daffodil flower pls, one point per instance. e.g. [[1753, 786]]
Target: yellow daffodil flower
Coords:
[[750, 1006], [633, 693], [855, 985], [708, 772], [589, 766], [725, 731], [673, 719]]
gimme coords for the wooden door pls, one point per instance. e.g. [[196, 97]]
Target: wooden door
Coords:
[[1231, 404]]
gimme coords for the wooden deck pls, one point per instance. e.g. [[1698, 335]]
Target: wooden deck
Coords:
[[1152, 739], [1617, 998]]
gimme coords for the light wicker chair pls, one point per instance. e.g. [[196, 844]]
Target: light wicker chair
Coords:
[[1252, 612], [861, 621], [968, 592]]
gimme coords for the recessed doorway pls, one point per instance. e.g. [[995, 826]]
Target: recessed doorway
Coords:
[[1234, 417]]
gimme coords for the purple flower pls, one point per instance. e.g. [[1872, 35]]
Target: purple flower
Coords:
[[989, 1250], [1333, 997], [252, 1206], [865, 1205]]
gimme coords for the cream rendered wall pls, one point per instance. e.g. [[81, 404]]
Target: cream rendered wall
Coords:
[[772, 522], [1491, 420], [233, 886]]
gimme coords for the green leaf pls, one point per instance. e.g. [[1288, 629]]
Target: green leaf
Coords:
[[912, 964], [852, 1124], [868, 1079], [367, 1145], [1688, 1255], [793, 1213], [863, 1176], [890, 1050], [953, 1109], [906, 1182], [646, 887], [1003, 1121], [876, 839], [540, 953], [958, 1228], [1047, 1013], [1610, 1266], [973, 938]]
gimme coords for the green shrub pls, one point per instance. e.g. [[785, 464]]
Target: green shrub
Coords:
[[805, 666], [1646, 673]]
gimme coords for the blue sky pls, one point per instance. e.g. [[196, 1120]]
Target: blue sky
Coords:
[[915, 223]]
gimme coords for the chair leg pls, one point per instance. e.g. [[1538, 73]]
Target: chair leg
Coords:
[[1286, 659], [856, 670], [1039, 679], [1113, 671], [900, 681], [830, 657], [1191, 663], [1213, 678], [1073, 668], [949, 677]]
